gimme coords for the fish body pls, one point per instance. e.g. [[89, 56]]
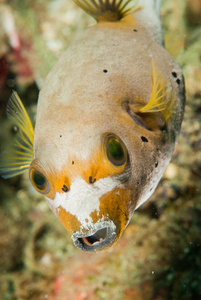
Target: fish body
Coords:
[[108, 118]]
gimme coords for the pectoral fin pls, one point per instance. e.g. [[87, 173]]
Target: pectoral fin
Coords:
[[17, 159]]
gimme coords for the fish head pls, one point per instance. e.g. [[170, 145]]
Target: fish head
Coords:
[[86, 187], [94, 179]]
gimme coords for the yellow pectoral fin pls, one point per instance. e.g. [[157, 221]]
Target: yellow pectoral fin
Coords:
[[162, 98], [18, 158]]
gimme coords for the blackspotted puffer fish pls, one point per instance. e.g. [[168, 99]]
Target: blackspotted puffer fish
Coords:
[[108, 118]]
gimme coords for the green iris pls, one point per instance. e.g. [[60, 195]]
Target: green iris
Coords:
[[39, 181], [116, 151]]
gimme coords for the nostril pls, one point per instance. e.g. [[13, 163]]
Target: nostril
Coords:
[[97, 237]]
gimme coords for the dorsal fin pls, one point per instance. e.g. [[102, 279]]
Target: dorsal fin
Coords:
[[17, 159], [108, 10]]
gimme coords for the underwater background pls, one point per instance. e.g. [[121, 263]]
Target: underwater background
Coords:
[[159, 255]]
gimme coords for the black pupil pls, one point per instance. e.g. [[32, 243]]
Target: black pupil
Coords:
[[115, 151], [39, 180]]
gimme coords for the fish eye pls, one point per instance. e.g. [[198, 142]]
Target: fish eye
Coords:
[[39, 181], [116, 151]]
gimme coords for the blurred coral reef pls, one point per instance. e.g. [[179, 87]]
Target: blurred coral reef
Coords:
[[159, 255]]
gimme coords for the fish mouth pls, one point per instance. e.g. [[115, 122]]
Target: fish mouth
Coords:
[[101, 239]]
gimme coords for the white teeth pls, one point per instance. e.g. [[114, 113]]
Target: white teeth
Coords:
[[83, 199]]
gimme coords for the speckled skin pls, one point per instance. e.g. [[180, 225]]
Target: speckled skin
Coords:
[[93, 90]]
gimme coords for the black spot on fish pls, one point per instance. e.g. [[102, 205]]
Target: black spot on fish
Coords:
[[105, 71], [138, 182], [174, 74], [91, 180], [135, 30], [65, 188], [144, 139], [72, 162], [60, 135], [156, 164]]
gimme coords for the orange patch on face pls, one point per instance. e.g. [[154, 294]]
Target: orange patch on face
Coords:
[[90, 170], [101, 167], [69, 221], [96, 167], [116, 206]]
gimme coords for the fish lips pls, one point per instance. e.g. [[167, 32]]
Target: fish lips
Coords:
[[98, 239]]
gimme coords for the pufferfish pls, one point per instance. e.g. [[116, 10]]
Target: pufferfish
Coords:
[[107, 121]]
